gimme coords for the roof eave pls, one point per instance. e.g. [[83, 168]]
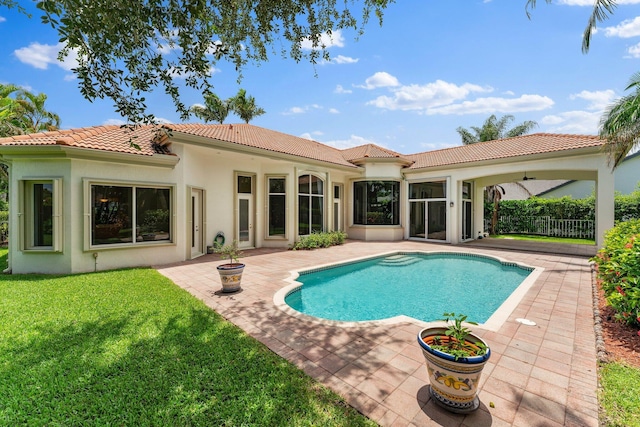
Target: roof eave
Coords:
[[48, 152], [398, 160], [572, 152], [202, 141]]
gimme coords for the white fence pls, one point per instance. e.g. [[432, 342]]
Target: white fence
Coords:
[[545, 226]]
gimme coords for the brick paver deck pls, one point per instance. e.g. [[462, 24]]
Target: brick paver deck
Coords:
[[542, 375]]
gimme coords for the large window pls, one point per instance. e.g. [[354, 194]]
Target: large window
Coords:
[[42, 215], [376, 203], [130, 214], [277, 206], [310, 204]]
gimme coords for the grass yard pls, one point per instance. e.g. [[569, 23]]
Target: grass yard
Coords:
[[128, 347], [620, 395], [535, 238]]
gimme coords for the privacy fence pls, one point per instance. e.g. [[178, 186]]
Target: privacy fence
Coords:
[[545, 226]]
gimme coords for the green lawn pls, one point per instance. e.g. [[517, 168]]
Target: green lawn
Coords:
[[537, 238], [128, 347], [620, 395]]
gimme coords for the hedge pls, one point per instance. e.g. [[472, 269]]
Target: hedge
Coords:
[[627, 206]]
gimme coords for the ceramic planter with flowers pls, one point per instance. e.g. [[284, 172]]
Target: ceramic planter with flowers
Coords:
[[455, 358], [230, 272]]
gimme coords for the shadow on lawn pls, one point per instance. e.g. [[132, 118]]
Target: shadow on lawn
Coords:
[[167, 366]]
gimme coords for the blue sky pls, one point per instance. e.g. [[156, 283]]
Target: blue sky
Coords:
[[407, 86]]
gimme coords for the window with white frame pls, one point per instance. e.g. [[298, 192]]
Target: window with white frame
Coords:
[[277, 200], [310, 204], [123, 214], [41, 216]]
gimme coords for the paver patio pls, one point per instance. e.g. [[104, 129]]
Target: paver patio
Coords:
[[542, 375]]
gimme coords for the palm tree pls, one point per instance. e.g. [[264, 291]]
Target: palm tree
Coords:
[[493, 129], [601, 11], [215, 109], [245, 106], [33, 115], [620, 124], [9, 111]]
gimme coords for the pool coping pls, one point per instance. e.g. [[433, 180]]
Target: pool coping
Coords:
[[494, 323]]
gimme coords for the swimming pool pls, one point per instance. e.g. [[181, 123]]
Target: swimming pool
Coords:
[[419, 285]]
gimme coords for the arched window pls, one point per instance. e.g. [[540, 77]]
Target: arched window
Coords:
[[310, 204]]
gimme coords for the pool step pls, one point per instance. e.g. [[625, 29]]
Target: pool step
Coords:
[[399, 260]]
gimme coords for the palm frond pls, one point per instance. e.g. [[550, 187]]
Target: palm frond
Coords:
[[620, 126], [467, 137], [601, 11]]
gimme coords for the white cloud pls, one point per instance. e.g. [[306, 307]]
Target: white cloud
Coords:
[[598, 100], [2, 19], [302, 110], [340, 89], [341, 59], [295, 110], [41, 55], [430, 146], [380, 79], [353, 141], [117, 122], [309, 135], [334, 111], [121, 122], [634, 51], [326, 41], [625, 29], [423, 97], [496, 105], [578, 122]]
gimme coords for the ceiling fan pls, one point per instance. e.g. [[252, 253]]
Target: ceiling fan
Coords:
[[527, 178]]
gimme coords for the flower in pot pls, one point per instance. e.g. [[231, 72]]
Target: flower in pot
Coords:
[[230, 272], [455, 358]]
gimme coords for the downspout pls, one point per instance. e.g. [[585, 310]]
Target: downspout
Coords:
[[9, 187]]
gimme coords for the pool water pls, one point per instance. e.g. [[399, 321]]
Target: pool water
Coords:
[[422, 286]]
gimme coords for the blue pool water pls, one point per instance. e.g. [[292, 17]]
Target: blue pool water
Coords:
[[422, 286]]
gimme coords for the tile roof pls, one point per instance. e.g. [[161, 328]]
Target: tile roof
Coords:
[[369, 151], [537, 143], [116, 139], [106, 138], [266, 139]]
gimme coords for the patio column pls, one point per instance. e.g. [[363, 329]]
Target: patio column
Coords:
[[605, 209], [478, 209]]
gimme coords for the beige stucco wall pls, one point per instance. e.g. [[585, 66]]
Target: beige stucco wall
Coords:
[[213, 170]]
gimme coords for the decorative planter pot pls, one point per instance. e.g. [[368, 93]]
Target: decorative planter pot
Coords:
[[230, 276], [453, 383]]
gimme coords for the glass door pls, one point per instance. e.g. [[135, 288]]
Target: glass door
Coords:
[[245, 214], [196, 223], [428, 210]]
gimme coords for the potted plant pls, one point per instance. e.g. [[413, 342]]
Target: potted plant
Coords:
[[455, 358], [231, 272]]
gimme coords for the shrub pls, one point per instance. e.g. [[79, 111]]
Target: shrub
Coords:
[[618, 270], [320, 240], [627, 206]]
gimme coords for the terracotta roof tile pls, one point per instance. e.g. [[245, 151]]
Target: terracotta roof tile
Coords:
[[537, 143], [105, 138], [266, 139], [117, 139], [369, 151]]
